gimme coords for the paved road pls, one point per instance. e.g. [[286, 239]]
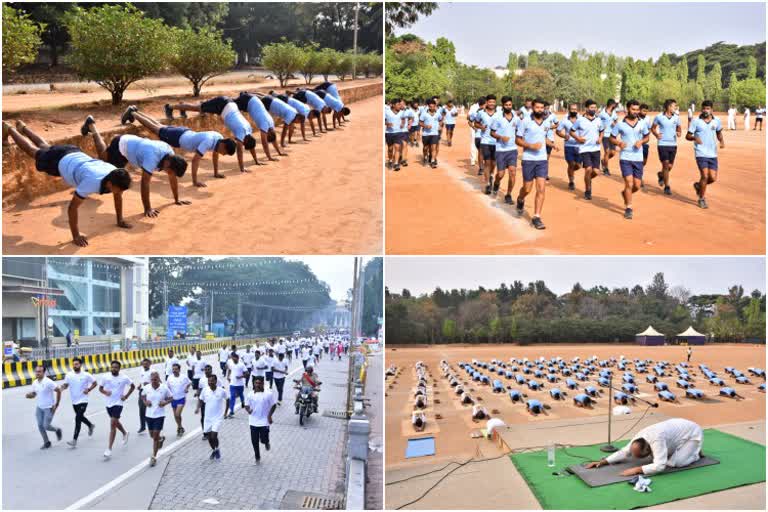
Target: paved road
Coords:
[[79, 477]]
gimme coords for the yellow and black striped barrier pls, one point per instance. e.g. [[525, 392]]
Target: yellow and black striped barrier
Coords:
[[23, 373]]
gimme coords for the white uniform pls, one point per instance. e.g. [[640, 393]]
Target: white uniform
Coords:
[[746, 119], [472, 149], [674, 443], [732, 118], [215, 405]]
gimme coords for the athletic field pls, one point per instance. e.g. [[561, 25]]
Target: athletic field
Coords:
[[444, 210]]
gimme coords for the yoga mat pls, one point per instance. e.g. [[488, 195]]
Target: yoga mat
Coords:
[[420, 447], [742, 462], [611, 474]]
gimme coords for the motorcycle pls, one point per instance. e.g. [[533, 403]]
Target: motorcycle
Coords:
[[304, 403]]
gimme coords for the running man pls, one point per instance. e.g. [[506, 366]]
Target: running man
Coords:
[[170, 360], [413, 131], [405, 125], [527, 109], [43, 389], [629, 135], [759, 114], [643, 117], [477, 134], [608, 117], [263, 121], [156, 397], [280, 372], [113, 387], [145, 374], [261, 406], [236, 377], [431, 122], [80, 171], [531, 136], [586, 131], [214, 401], [449, 116], [666, 128], [179, 385], [223, 358], [571, 145], [705, 131], [483, 120], [503, 129], [230, 115], [145, 154], [186, 139], [80, 384], [392, 123]]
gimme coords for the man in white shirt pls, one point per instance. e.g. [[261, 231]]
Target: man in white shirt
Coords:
[[80, 383], [746, 119], [190, 363], [223, 358], [732, 118], [113, 387], [280, 371], [270, 360], [260, 366], [156, 396], [260, 406], [169, 362], [674, 443], [179, 385], [247, 359], [144, 376], [472, 148], [198, 371], [214, 399], [236, 376], [317, 351], [43, 389]]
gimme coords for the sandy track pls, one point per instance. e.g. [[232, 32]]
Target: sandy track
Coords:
[[443, 211]]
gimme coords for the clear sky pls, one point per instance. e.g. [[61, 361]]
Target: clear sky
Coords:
[[485, 33], [698, 274]]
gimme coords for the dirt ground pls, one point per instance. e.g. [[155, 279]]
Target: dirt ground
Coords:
[[452, 431], [444, 211], [323, 198]]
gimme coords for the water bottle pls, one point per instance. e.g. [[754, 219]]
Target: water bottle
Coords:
[[551, 455]]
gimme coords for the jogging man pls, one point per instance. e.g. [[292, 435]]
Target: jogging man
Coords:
[[170, 360], [477, 134], [571, 145], [643, 116], [156, 397], [405, 125], [113, 387], [144, 154], [215, 402], [449, 119], [759, 114], [527, 109], [43, 389], [705, 132], [80, 384], [503, 129], [431, 122], [230, 115], [223, 358], [586, 131], [236, 377], [412, 115], [145, 373], [609, 117], [186, 139], [392, 123], [179, 385], [483, 120], [80, 171], [531, 136], [280, 372], [261, 406], [666, 128], [629, 135]]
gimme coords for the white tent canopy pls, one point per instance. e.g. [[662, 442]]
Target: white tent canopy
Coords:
[[690, 331], [650, 331]]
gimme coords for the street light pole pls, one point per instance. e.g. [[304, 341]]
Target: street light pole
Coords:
[[354, 43]]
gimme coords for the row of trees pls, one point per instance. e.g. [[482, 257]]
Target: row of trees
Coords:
[[727, 74], [532, 313]]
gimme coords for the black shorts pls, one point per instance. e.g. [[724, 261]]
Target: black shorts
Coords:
[[591, 159], [114, 156], [430, 139], [214, 105], [172, 134], [477, 142], [155, 424], [195, 384], [47, 159], [489, 151], [450, 127], [115, 411], [667, 153], [414, 129], [392, 138]]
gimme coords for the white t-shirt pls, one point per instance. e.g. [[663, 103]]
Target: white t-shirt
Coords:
[[238, 372], [280, 348], [223, 355], [270, 362], [169, 362], [155, 396], [260, 367], [199, 368], [215, 401], [317, 349], [116, 384], [248, 359], [190, 362], [143, 379], [260, 403], [178, 385], [44, 390], [280, 368], [305, 353], [78, 383]]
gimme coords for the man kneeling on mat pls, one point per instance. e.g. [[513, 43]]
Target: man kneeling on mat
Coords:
[[419, 421], [674, 443], [79, 170]]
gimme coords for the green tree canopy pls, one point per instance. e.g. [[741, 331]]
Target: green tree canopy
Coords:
[[21, 39], [200, 55], [283, 59]]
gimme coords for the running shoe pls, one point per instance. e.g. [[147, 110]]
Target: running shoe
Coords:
[[538, 223], [697, 188], [168, 111], [667, 191], [85, 128], [495, 189], [107, 453], [152, 462], [125, 438], [59, 434], [703, 203], [588, 195], [571, 185], [46, 445], [628, 213], [396, 167], [488, 190], [520, 206], [661, 178], [433, 164], [72, 443], [508, 199], [127, 116]]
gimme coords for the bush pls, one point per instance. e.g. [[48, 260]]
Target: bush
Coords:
[[330, 61], [115, 46], [344, 66], [370, 64], [21, 39], [283, 59], [201, 55], [313, 63]]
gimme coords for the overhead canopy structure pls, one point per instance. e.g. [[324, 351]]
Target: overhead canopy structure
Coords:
[[650, 336], [692, 336]]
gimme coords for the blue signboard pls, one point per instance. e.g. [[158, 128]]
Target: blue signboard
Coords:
[[177, 321]]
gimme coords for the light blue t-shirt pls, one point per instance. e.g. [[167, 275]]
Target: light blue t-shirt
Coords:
[[707, 132], [589, 129], [524, 113], [608, 121], [667, 129], [507, 128], [145, 153], [84, 173], [392, 120], [450, 115], [410, 117], [403, 126], [258, 112], [283, 110], [238, 125], [629, 135], [201, 142], [431, 120], [315, 101], [482, 116], [476, 132], [333, 102], [552, 118], [300, 107], [565, 126], [533, 132]]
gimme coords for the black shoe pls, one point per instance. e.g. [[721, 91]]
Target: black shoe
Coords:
[[46, 445], [537, 223], [59, 434], [141, 430], [606, 171], [479, 172], [213, 455], [205, 437], [396, 167], [667, 191], [127, 116], [266, 446], [404, 163], [488, 190], [571, 186], [697, 188], [168, 111], [703, 203], [183, 114], [433, 164], [84, 129], [508, 199], [495, 188], [91, 429], [628, 213], [588, 195], [661, 178], [389, 164], [520, 207]]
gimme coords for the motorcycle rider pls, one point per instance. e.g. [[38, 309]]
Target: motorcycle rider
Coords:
[[311, 379]]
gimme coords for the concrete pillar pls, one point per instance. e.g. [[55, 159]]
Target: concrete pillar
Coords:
[[359, 428]]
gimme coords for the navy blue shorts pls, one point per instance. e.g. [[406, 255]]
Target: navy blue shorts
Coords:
[[477, 142], [706, 163], [414, 128], [114, 156], [450, 127], [590, 159], [47, 159], [430, 139], [607, 144], [645, 152], [180, 401], [572, 154], [115, 411], [214, 105], [489, 151], [667, 153], [392, 138], [155, 424], [403, 137], [535, 169], [629, 168], [506, 159], [171, 135]]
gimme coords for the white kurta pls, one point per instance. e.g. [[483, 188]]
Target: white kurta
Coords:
[[674, 443]]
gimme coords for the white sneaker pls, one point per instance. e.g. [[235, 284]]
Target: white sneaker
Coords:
[[108, 453], [125, 438]]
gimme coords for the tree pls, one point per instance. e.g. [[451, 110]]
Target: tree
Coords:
[[370, 64], [103, 52], [345, 65], [444, 53], [747, 93], [751, 67], [21, 39], [700, 70], [283, 59], [201, 55], [50, 15], [533, 83], [312, 64], [329, 62], [713, 85], [512, 63], [405, 14]]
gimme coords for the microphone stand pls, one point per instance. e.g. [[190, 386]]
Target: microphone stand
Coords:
[[610, 448]]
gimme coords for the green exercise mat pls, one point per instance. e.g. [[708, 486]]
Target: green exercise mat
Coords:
[[742, 462]]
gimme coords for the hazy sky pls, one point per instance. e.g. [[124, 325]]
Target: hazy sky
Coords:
[[639, 30], [698, 274]]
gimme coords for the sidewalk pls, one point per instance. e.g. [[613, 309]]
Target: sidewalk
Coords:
[[374, 485]]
